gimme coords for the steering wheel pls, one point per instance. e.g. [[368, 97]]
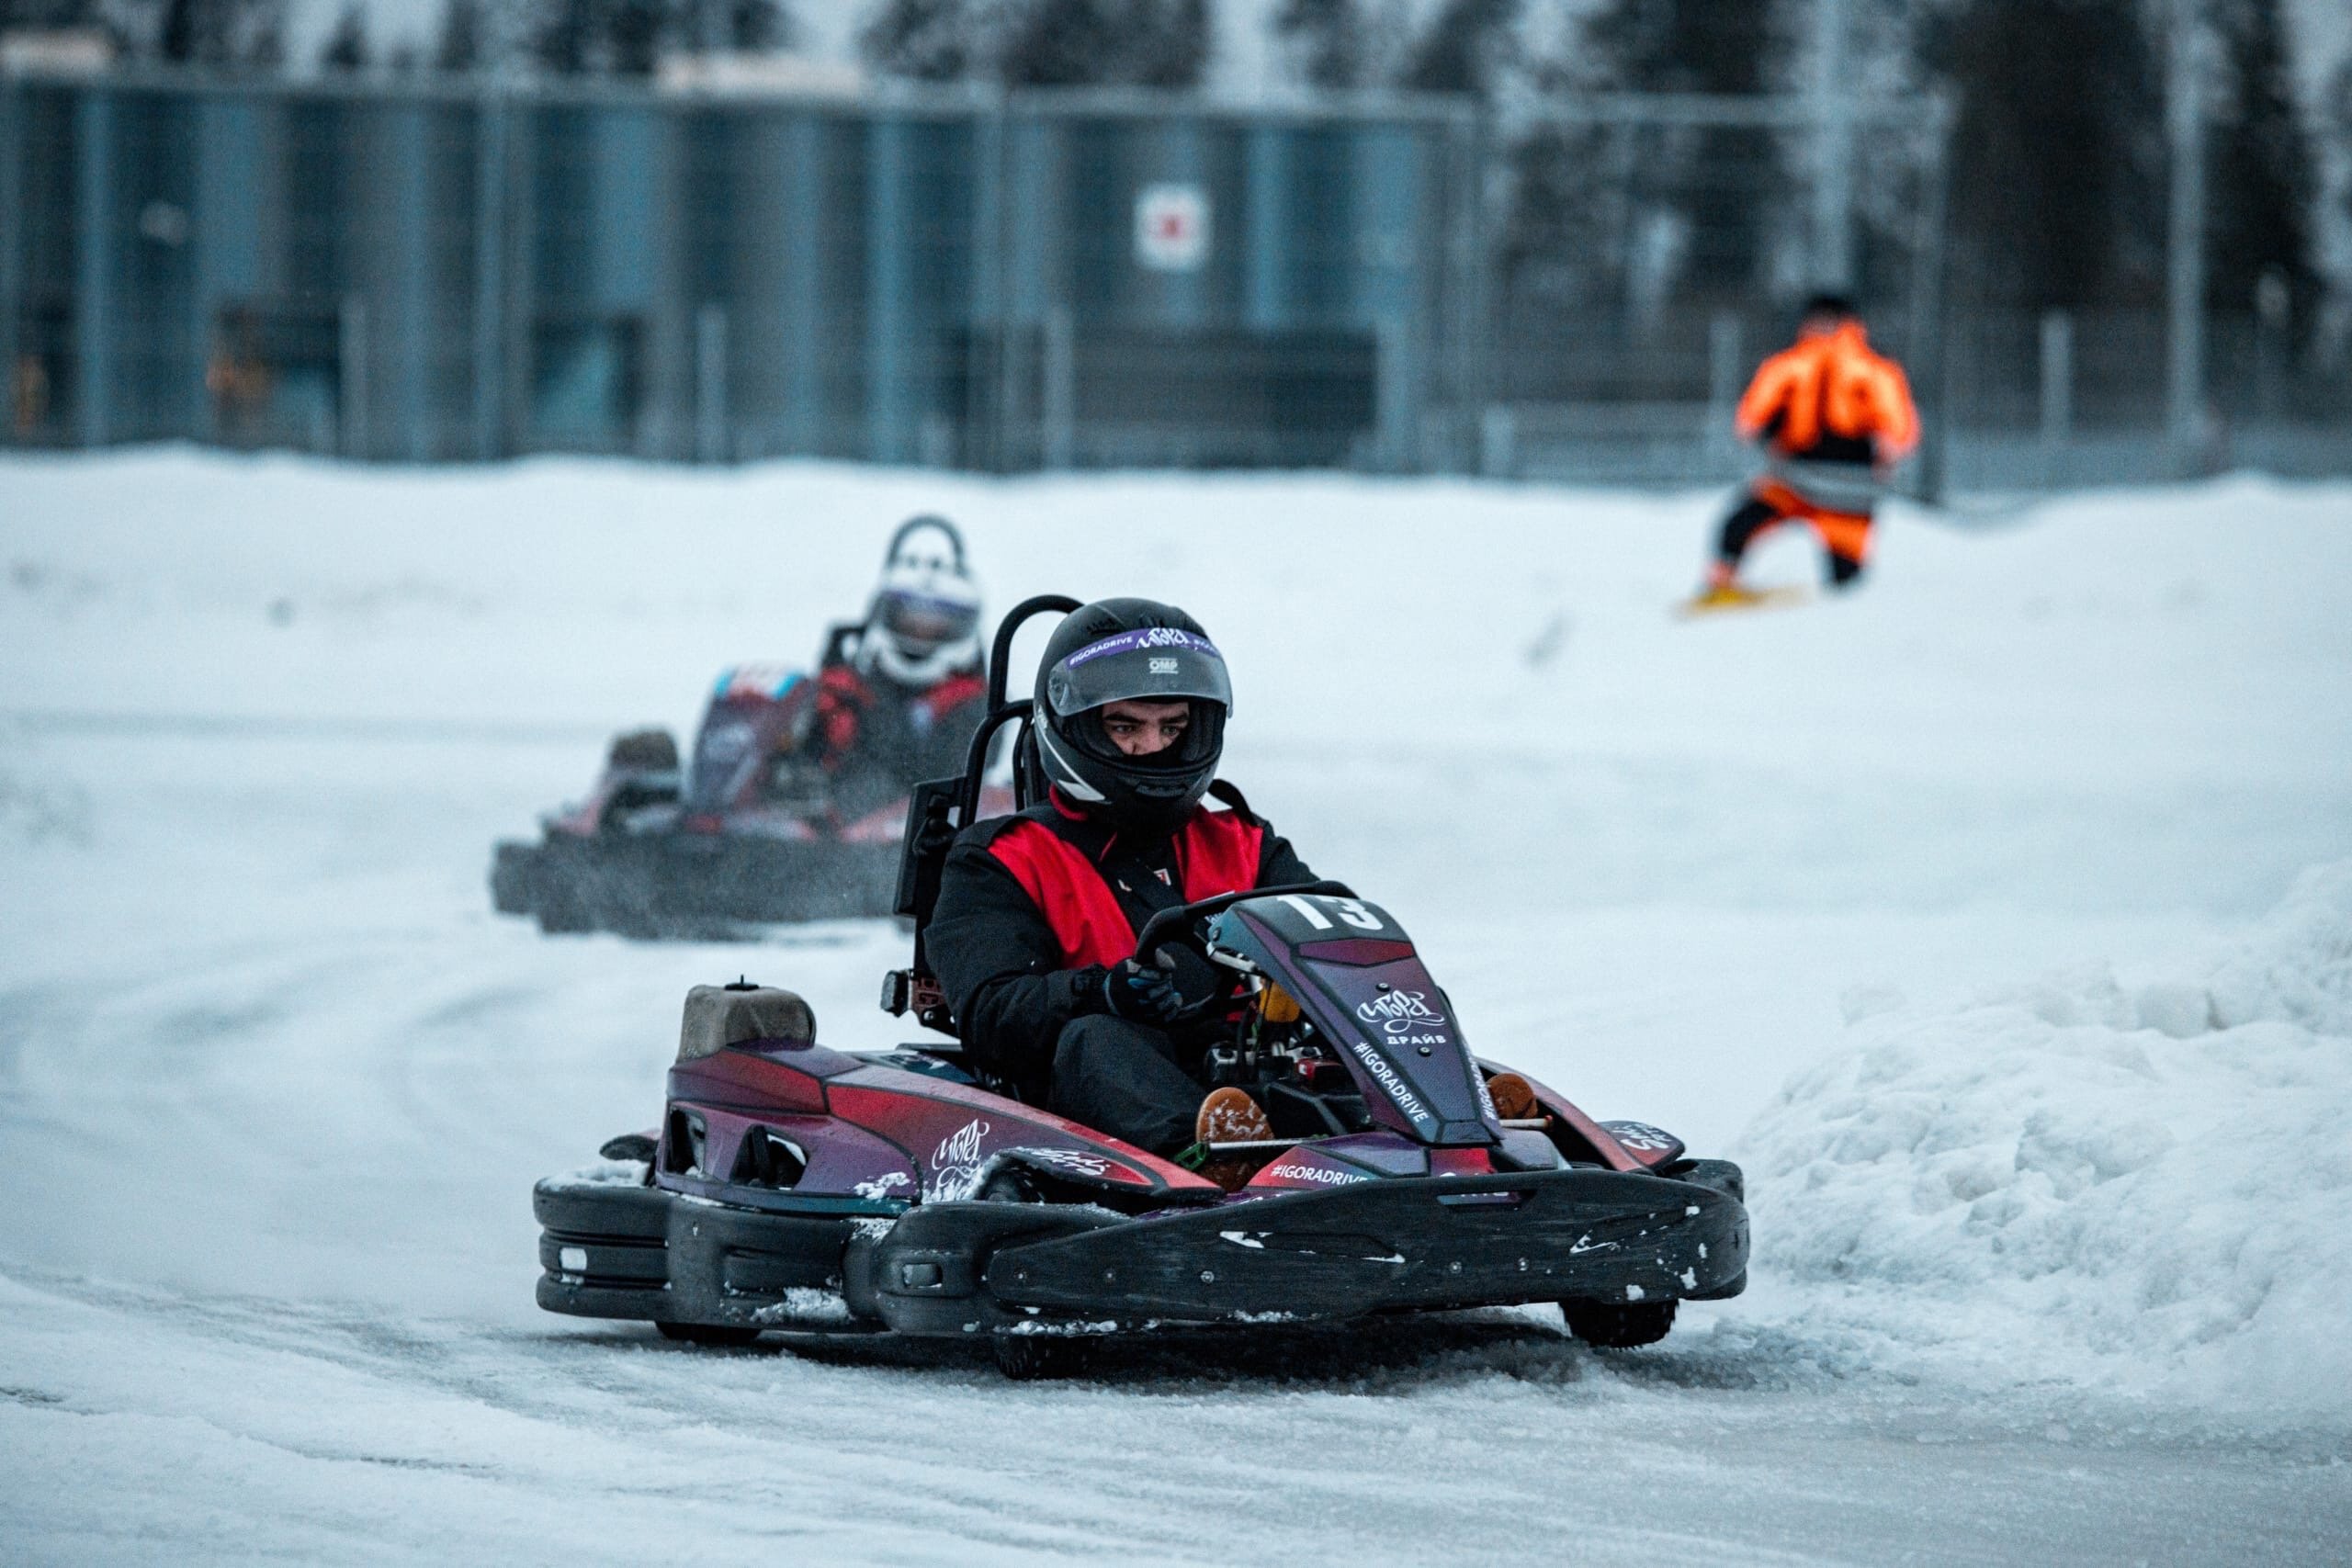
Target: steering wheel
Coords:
[[1186, 928]]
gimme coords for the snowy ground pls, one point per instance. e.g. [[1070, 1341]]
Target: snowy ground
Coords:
[[2000, 919]]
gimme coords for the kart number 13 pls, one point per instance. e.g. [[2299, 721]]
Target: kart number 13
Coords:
[[1351, 910]]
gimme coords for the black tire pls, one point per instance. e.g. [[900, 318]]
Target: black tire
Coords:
[[710, 1335], [562, 912], [1619, 1326], [1011, 1185], [1031, 1357], [511, 874], [1716, 1174], [637, 1146], [1037, 1358]]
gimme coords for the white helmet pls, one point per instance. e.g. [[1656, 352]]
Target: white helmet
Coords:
[[924, 624]]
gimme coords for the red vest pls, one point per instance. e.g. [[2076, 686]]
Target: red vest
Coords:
[[1217, 852]]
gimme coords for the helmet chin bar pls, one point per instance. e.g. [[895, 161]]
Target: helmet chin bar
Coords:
[[878, 650], [1065, 776], [1145, 791]]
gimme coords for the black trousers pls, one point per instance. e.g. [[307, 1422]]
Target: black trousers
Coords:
[[1125, 1079], [1758, 515]]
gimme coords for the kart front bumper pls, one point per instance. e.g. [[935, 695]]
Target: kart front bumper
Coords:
[[681, 884], [625, 1250], [1418, 1243]]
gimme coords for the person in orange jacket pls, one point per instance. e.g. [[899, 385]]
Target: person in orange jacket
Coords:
[[1836, 416]]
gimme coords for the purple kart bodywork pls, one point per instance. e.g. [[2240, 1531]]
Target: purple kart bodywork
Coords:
[[792, 1185]]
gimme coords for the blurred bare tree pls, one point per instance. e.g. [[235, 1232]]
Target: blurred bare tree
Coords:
[[923, 40], [346, 48], [43, 13], [628, 38], [1705, 195], [1043, 43], [1328, 39], [2056, 159], [1466, 51], [2262, 190], [249, 34], [464, 44]]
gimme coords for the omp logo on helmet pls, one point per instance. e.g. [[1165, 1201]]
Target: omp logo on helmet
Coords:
[[1163, 667]]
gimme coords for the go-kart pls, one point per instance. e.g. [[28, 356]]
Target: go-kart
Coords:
[[792, 1185], [752, 833]]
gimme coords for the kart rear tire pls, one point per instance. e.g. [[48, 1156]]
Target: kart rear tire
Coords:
[[710, 1335], [1619, 1326], [511, 877]]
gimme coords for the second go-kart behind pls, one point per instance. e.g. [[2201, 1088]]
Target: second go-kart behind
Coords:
[[791, 805], [792, 1185]]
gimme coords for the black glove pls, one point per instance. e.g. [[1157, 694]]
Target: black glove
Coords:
[[1141, 993], [934, 835]]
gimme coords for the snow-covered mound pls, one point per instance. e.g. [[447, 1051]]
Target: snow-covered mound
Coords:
[[2145, 1187]]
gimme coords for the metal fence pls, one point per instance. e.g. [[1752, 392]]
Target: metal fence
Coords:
[[419, 270], [406, 271]]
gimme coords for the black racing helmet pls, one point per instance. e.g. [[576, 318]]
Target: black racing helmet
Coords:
[[1130, 650]]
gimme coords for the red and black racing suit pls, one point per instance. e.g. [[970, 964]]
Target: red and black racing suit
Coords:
[[877, 740], [1033, 909]]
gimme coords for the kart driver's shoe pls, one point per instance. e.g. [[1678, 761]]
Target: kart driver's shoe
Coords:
[[1514, 1097], [1229, 1116]]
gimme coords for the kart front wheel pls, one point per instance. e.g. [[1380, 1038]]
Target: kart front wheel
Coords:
[[711, 1335], [562, 912], [1024, 1358], [1619, 1326]]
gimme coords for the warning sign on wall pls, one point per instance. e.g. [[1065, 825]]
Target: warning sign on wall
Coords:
[[1171, 227]]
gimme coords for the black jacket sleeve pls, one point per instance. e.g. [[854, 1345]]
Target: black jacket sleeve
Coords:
[[997, 960], [1278, 864]]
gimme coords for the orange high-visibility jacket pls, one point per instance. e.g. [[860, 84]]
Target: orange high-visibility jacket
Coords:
[[1831, 398]]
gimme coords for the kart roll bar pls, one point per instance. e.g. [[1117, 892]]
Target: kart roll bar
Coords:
[[1001, 651], [941, 806], [1001, 712], [1165, 924]]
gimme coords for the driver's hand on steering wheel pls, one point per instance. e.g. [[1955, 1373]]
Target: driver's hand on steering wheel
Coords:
[[1142, 993]]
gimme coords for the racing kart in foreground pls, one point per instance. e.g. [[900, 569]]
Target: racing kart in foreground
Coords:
[[794, 1187], [751, 834]]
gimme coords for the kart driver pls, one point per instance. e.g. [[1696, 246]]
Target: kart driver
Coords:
[[899, 695], [1836, 417], [1034, 934]]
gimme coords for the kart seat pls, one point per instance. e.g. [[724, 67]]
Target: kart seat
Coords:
[[721, 1016]]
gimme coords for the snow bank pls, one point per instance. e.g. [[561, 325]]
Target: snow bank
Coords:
[[2144, 1187]]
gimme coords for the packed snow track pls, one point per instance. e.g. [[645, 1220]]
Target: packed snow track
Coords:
[[1998, 919]]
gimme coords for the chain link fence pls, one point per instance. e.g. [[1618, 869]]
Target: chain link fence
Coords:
[[425, 271]]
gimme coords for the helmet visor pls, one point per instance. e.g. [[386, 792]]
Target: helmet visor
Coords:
[[927, 620], [1150, 664]]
